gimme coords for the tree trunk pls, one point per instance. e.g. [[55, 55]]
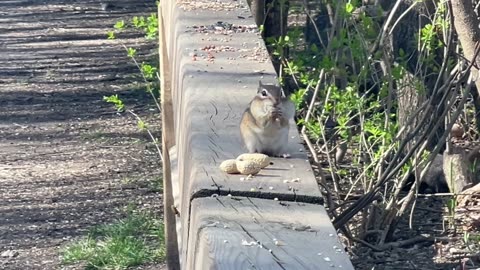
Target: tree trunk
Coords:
[[276, 18], [410, 97], [257, 7], [272, 14], [466, 24]]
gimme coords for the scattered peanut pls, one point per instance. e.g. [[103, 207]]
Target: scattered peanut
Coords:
[[229, 166], [248, 167], [247, 164], [261, 159]]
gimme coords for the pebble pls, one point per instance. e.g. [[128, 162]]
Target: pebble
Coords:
[[9, 254]]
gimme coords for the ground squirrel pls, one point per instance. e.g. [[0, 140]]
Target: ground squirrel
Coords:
[[265, 123]]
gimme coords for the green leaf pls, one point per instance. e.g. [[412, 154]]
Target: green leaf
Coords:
[[298, 97], [119, 25], [116, 101], [148, 71], [138, 22], [349, 8], [131, 52], [110, 35], [141, 124], [398, 72]]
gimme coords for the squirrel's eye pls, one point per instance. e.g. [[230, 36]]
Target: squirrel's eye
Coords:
[[264, 93]]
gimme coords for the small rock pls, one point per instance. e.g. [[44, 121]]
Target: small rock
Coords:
[[9, 254], [453, 250], [457, 131], [278, 243]]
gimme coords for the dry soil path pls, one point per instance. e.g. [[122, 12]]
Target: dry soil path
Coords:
[[67, 160]]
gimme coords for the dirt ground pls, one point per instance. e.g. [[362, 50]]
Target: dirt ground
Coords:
[[428, 238], [68, 161]]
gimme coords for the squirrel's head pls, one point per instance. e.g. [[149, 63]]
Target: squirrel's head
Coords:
[[270, 91]]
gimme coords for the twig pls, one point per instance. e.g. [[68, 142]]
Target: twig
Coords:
[[286, 63], [146, 80], [323, 183], [380, 40], [314, 97], [430, 210], [335, 27], [399, 18], [305, 8], [398, 244], [154, 140], [330, 163], [396, 165], [365, 243], [438, 147], [408, 242], [310, 146], [307, 117]]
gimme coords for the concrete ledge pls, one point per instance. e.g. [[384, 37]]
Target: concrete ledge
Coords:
[[215, 61]]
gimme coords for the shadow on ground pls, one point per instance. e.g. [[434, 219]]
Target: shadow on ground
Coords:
[[68, 161]]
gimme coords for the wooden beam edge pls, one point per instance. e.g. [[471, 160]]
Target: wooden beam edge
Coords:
[[172, 253]]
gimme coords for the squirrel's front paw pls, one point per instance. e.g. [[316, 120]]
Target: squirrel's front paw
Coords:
[[277, 114]]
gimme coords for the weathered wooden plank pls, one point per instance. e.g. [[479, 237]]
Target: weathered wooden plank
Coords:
[[249, 233], [208, 100], [214, 75], [168, 140], [208, 103]]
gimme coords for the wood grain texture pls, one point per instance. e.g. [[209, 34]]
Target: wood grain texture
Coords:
[[168, 140], [244, 233], [210, 89], [209, 99]]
